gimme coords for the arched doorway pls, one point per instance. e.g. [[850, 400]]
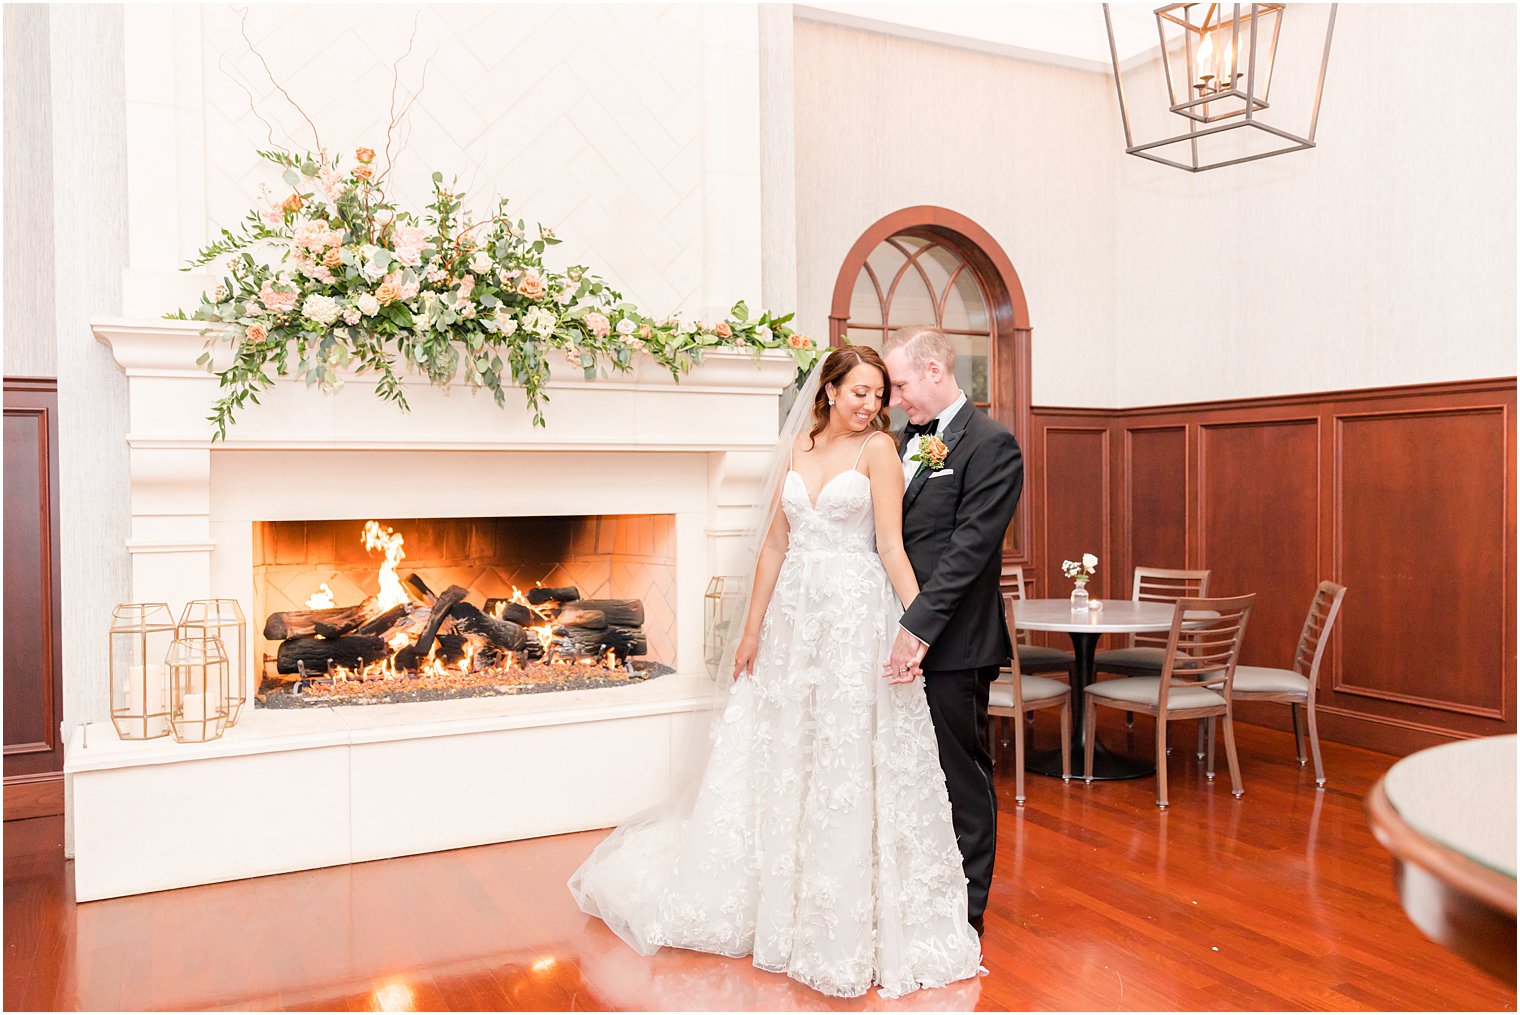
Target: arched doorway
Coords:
[[930, 265]]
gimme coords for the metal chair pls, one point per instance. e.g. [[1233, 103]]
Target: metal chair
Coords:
[[1197, 674], [1020, 694]]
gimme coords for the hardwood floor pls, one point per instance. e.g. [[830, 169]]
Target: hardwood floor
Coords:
[[1280, 900]]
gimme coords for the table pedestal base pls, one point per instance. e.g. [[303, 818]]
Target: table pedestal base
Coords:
[[1107, 765]]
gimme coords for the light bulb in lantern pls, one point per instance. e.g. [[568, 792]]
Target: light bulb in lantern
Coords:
[[1205, 59]]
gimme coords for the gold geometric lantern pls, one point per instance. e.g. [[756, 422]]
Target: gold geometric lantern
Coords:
[[140, 636], [221, 618], [197, 679], [1218, 62], [723, 594]]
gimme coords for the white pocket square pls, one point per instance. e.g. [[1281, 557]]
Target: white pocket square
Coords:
[[941, 472]]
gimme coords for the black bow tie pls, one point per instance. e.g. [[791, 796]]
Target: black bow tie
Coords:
[[913, 430]]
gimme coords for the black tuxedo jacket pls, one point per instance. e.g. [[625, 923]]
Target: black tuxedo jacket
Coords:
[[953, 525]]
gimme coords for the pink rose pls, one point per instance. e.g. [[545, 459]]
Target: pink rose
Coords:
[[532, 287], [722, 330], [598, 324], [257, 332], [277, 301], [409, 256], [411, 236]]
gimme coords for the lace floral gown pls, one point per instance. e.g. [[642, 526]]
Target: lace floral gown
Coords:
[[820, 839]]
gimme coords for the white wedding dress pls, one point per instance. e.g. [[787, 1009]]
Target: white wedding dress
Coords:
[[820, 839]]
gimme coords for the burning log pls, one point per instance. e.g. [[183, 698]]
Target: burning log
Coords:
[[381, 623], [418, 589], [619, 612], [577, 616], [411, 655], [541, 595], [335, 622], [625, 641], [501, 633], [505, 609], [316, 654]]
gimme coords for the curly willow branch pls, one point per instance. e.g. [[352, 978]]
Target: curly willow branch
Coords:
[[243, 28]]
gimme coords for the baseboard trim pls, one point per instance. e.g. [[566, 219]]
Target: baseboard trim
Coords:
[[33, 796]]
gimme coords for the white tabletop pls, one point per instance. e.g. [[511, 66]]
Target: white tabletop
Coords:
[[1118, 616], [1463, 795]]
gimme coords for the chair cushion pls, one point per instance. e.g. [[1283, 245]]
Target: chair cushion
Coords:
[[1146, 691], [1150, 658], [1265, 680], [1000, 693], [1038, 658]]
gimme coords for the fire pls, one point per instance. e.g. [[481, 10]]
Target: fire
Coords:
[[322, 599], [375, 538]]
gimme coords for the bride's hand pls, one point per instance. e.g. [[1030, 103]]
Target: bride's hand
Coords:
[[744, 658]]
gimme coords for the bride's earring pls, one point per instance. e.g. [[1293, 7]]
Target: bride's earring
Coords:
[[831, 401]]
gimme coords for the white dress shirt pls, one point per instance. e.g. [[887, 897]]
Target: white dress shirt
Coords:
[[910, 469]]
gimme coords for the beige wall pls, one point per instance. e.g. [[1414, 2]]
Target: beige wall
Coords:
[[29, 347], [1020, 147], [1385, 256]]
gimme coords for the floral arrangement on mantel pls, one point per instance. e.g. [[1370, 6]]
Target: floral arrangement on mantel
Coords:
[[344, 279]]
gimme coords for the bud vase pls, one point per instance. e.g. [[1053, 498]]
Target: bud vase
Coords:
[[1079, 598]]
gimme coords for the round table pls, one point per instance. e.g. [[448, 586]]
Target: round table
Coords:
[[1118, 616], [1447, 814]]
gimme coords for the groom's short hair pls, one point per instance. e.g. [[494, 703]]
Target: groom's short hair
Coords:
[[922, 344]]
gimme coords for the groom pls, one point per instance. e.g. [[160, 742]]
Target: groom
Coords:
[[955, 513]]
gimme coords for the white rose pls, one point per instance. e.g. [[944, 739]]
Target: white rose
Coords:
[[465, 309], [507, 324], [539, 321], [481, 262], [565, 298], [626, 326], [374, 270], [1089, 561], [368, 305], [384, 217], [322, 309], [763, 333]]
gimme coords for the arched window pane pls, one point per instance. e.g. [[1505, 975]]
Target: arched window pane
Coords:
[[865, 305], [971, 366], [911, 302], [965, 310], [885, 260]]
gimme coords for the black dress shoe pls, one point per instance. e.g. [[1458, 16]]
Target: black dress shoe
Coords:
[[977, 925]]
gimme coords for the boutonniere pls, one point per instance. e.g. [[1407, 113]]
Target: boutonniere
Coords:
[[931, 452]]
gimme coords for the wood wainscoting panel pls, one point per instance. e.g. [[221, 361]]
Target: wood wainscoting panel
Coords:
[[1420, 524], [1074, 498], [1259, 531], [1405, 495], [33, 634], [1155, 515]]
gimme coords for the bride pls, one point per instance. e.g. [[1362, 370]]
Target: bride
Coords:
[[818, 836]]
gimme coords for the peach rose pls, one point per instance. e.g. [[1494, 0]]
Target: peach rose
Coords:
[[365, 155], [257, 332], [799, 341], [277, 301], [466, 285], [531, 286], [645, 331], [363, 172], [333, 258], [598, 324], [387, 293], [293, 203], [722, 330]]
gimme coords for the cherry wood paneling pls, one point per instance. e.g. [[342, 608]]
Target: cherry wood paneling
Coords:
[[1259, 494], [33, 636], [1419, 504], [1405, 495], [1074, 503], [1155, 514]]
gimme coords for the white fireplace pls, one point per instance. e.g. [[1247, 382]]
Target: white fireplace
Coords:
[[388, 780]]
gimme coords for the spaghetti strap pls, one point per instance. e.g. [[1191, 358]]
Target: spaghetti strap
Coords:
[[861, 453]]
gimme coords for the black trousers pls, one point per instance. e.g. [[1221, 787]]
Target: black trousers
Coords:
[[958, 707]]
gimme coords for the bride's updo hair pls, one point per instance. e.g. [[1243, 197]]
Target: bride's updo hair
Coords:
[[841, 360]]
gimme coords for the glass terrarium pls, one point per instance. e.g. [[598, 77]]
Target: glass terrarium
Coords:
[[197, 677], [222, 619], [722, 601], [140, 636]]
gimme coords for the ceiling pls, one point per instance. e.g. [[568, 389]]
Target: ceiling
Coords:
[[1069, 34]]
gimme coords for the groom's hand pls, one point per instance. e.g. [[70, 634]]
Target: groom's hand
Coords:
[[907, 652]]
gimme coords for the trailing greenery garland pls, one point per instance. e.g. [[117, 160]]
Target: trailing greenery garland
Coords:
[[343, 279]]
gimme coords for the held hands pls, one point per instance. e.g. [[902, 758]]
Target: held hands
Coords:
[[744, 657], [902, 666]]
